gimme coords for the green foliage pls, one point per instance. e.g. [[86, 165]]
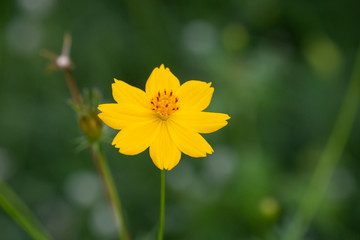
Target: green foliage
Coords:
[[280, 69]]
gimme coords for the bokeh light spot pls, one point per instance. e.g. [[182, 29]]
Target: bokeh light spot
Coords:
[[101, 222], [24, 36], [82, 188], [235, 37], [199, 37], [269, 207], [323, 55], [37, 8], [220, 165]]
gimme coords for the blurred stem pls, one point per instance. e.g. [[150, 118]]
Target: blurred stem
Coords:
[[75, 94], [110, 190], [13, 205], [162, 205], [328, 160], [101, 166]]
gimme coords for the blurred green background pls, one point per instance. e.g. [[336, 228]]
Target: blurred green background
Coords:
[[280, 69]]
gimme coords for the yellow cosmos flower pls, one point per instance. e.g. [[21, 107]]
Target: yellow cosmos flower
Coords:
[[166, 117]]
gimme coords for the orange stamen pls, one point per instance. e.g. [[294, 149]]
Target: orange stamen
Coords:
[[164, 104]]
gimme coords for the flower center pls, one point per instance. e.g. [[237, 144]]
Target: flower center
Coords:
[[164, 104]]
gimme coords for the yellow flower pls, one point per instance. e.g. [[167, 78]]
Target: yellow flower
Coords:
[[166, 117]]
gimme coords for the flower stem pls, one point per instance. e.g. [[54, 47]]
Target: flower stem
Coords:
[[162, 205], [329, 159], [89, 123], [13, 205], [101, 166], [110, 190], [75, 93]]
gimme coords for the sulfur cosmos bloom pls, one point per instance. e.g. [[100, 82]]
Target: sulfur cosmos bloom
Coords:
[[167, 117]]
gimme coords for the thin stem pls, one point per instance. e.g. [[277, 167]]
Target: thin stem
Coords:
[[101, 164], [96, 153], [75, 93], [13, 205], [110, 190], [328, 160], [162, 205]]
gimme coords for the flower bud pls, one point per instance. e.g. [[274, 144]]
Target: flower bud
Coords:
[[91, 125]]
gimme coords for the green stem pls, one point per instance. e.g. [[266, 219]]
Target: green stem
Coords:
[[162, 206], [328, 160], [13, 205], [110, 190], [101, 166]]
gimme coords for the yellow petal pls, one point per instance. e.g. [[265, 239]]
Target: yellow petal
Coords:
[[194, 95], [202, 122], [124, 93], [188, 141], [161, 79], [163, 151], [118, 116], [137, 137]]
